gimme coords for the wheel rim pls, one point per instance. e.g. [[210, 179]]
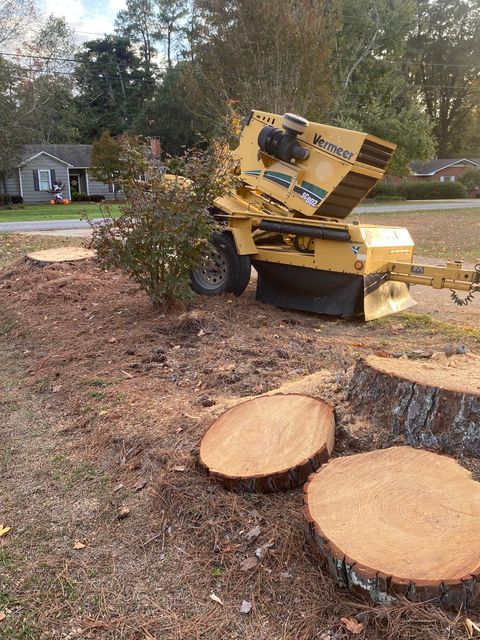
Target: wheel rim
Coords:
[[212, 272]]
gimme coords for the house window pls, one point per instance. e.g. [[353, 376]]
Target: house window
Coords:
[[44, 182], [447, 178]]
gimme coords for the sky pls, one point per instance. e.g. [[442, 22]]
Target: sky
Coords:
[[89, 18]]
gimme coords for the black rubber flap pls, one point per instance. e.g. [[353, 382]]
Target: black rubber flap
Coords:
[[328, 292]]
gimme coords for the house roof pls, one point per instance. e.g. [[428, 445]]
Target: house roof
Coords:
[[433, 166], [76, 155]]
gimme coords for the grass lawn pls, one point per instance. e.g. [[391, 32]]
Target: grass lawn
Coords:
[[444, 234], [37, 212]]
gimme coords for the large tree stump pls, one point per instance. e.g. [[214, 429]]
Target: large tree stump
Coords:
[[60, 254], [434, 403], [270, 443], [398, 521]]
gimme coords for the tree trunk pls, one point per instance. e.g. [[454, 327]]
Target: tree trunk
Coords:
[[398, 522], [62, 254], [270, 443], [433, 403]]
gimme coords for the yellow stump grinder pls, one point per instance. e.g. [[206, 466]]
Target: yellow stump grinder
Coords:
[[298, 181]]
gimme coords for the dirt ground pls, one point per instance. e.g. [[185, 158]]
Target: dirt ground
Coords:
[[116, 533]]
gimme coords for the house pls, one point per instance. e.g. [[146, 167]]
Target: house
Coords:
[[42, 164], [69, 164], [447, 170]]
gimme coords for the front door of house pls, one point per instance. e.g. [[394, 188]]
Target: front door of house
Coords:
[[74, 183]]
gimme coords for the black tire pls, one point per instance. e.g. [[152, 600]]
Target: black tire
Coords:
[[221, 270]]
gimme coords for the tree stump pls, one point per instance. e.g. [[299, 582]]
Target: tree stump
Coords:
[[61, 254], [433, 403], [398, 521], [270, 443]]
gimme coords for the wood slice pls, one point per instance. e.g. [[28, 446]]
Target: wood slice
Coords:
[[398, 521], [61, 254], [434, 403], [270, 443]]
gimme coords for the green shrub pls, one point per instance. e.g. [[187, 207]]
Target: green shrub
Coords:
[[432, 190], [166, 222], [388, 198], [80, 197], [383, 189], [471, 179]]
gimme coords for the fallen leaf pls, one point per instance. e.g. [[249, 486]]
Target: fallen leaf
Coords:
[[215, 598], [201, 333], [353, 625], [471, 627], [261, 551], [79, 545], [2, 616], [246, 606], [253, 533], [112, 340], [139, 484], [249, 563], [179, 468], [4, 530]]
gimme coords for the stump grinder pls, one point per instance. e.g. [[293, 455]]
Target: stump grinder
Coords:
[[298, 182]]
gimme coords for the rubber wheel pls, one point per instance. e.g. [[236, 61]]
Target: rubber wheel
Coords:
[[221, 270]]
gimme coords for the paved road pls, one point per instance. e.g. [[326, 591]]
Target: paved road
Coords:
[[55, 225], [420, 206]]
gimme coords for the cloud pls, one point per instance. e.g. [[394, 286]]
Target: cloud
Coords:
[[89, 18]]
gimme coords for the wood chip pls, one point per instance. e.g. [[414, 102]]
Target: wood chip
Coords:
[[215, 598], [2, 616], [79, 545], [140, 484], [253, 533], [249, 563], [4, 530], [179, 468], [353, 625], [246, 606]]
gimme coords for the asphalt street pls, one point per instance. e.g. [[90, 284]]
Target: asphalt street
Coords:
[[65, 225]]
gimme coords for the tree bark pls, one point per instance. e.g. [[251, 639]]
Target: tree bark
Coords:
[[433, 403], [269, 443], [397, 522]]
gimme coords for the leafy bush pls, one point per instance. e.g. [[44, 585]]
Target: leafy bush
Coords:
[[432, 190], [383, 189], [389, 198], [16, 199], [471, 179], [96, 198], [166, 222], [80, 197], [5, 199]]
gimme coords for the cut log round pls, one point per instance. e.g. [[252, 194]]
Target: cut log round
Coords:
[[398, 521], [60, 254], [270, 443], [434, 403]]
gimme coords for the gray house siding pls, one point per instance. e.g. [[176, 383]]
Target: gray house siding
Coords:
[[43, 162], [99, 188], [13, 184]]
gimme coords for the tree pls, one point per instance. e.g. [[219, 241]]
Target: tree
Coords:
[[48, 89], [139, 23], [167, 115], [113, 85], [170, 15], [165, 225], [12, 114], [372, 87], [269, 55], [16, 16], [107, 165], [445, 53]]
